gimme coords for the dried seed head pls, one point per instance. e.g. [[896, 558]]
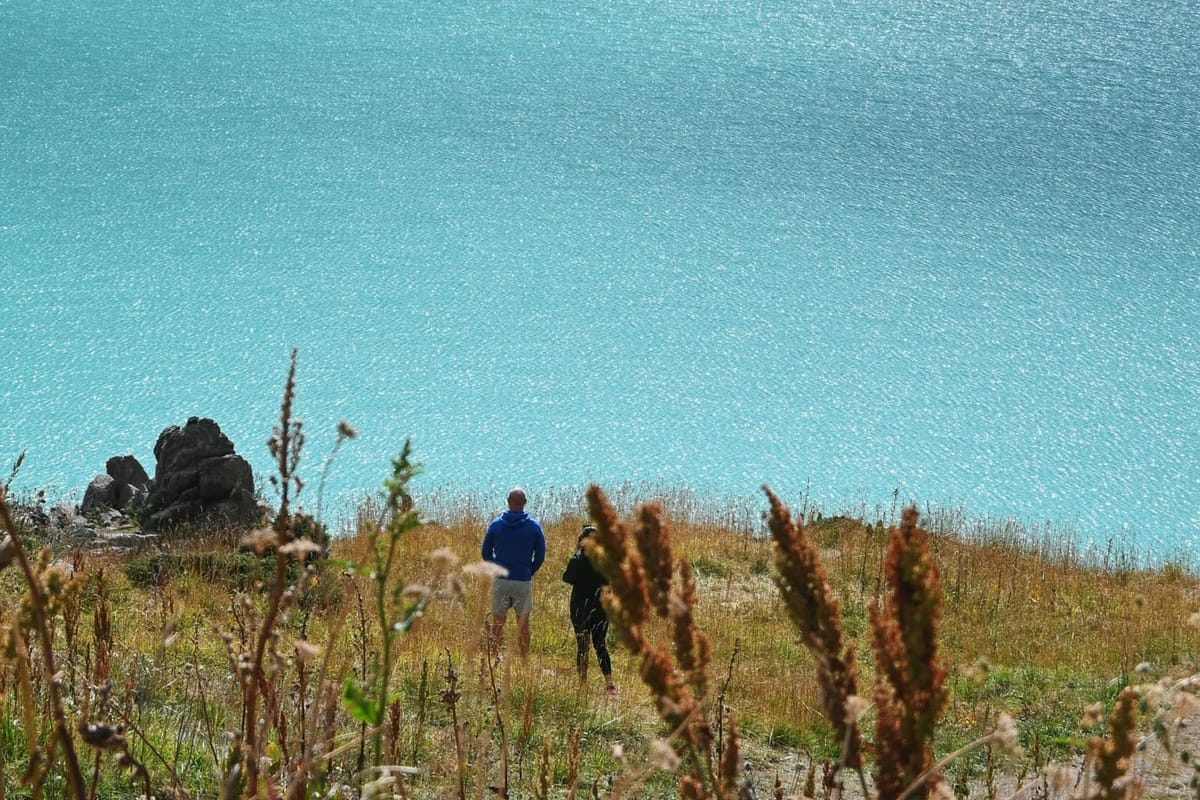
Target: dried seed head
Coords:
[[300, 548], [663, 756], [307, 652], [856, 706], [417, 591], [486, 569], [1092, 715], [816, 612], [980, 670], [260, 539], [1005, 735], [380, 787], [443, 560], [102, 736], [346, 430]]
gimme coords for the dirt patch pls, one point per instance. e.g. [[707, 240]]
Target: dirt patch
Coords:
[[1165, 764]]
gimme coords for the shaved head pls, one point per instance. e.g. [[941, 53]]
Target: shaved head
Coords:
[[516, 499]]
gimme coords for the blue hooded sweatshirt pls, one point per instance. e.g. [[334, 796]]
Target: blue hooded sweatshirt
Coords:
[[516, 542]]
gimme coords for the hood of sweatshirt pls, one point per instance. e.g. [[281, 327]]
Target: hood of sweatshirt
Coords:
[[514, 519]]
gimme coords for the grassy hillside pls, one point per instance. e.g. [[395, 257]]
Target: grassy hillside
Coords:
[[152, 642], [829, 655]]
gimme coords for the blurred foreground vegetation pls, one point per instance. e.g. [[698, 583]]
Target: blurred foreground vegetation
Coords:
[[286, 664]]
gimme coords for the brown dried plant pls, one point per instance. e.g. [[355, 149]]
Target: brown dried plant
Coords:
[[628, 600], [258, 661], [730, 764], [692, 649], [641, 578], [909, 692], [545, 772], [1111, 756], [48, 588], [654, 545], [573, 764], [285, 445], [816, 612]]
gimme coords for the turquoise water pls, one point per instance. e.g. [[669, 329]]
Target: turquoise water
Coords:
[[946, 251]]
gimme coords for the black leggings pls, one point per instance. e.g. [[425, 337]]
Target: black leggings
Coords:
[[590, 623]]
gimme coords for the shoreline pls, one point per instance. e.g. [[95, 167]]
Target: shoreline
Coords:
[[450, 504]]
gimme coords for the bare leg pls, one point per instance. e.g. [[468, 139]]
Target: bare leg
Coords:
[[523, 635]]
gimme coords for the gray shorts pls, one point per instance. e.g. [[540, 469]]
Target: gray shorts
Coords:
[[506, 594]]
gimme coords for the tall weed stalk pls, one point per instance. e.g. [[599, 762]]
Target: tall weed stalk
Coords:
[[397, 606], [639, 564], [47, 590]]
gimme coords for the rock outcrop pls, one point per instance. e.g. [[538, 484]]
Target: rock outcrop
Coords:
[[123, 485], [199, 481]]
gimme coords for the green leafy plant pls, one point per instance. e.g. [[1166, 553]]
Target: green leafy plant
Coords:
[[397, 606]]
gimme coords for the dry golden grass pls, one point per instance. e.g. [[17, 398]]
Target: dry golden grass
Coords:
[[200, 671], [1054, 632]]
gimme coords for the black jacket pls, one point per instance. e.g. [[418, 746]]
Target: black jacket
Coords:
[[585, 580]]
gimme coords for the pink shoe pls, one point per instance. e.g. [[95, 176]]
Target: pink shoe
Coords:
[[612, 690]]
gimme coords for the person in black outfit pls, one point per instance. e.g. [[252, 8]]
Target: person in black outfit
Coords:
[[587, 613]]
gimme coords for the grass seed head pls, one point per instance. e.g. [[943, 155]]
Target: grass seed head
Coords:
[[663, 756], [485, 569]]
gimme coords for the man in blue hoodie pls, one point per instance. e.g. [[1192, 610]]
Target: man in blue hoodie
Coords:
[[515, 541]]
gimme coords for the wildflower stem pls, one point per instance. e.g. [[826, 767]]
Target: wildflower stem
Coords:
[[283, 444], [986, 739]]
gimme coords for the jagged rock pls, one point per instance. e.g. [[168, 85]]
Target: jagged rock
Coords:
[[131, 497], [123, 484], [101, 492], [61, 512], [199, 480], [131, 484], [66, 527], [127, 470]]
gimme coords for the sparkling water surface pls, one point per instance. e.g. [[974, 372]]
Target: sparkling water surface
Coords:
[[941, 251]]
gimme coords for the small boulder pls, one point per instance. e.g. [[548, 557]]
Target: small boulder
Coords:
[[131, 483], [127, 470], [100, 493]]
